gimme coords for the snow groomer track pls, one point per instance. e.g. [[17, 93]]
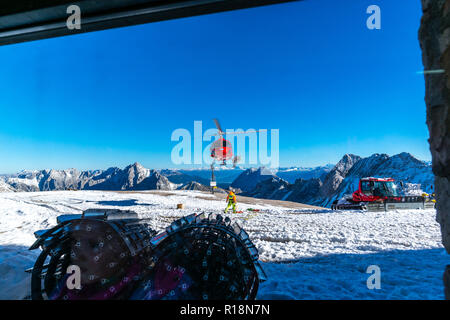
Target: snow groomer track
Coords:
[[306, 253], [197, 257]]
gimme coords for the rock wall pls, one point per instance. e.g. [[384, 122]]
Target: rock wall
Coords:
[[434, 36]]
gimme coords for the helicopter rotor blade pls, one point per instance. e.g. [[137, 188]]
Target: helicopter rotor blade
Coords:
[[250, 131], [239, 132], [218, 126]]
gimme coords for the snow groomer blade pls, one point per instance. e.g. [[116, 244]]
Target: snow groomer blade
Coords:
[[109, 248], [203, 257]]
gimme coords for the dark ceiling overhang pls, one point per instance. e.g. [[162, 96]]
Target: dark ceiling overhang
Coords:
[[27, 20]]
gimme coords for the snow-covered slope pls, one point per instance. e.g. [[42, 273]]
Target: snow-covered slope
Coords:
[[5, 187], [307, 253]]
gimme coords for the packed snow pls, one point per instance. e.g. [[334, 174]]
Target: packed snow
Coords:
[[306, 253]]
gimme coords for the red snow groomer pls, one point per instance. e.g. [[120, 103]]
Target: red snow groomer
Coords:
[[380, 194]]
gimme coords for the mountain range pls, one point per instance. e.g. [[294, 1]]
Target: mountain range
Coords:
[[132, 177], [317, 186]]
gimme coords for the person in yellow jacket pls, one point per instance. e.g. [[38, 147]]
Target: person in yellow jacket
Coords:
[[231, 199]]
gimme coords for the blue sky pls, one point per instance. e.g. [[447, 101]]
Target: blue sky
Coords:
[[310, 69]]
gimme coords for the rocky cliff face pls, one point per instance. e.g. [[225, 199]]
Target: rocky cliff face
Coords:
[[98, 179], [115, 179], [58, 179], [306, 191], [248, 179], [434, 36], [335, 177], [275, 188], [270, 188], [154, 181]]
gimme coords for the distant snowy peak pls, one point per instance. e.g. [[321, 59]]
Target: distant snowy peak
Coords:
[[271, 188], [134, 174], [347, 162], [248, 179], [180, 177], [287, 169], [154, 181], [293, 173], [193, 185], [336, 175]]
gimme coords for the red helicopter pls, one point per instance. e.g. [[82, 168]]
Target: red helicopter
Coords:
[[221, 149]]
